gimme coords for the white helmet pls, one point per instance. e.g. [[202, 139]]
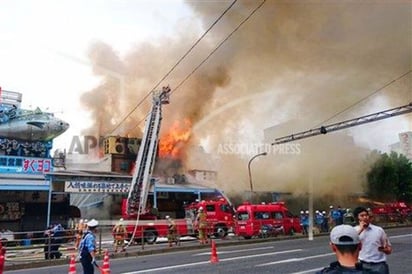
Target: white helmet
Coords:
[[201, 208]]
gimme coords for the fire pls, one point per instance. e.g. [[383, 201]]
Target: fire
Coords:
[[172, 143]]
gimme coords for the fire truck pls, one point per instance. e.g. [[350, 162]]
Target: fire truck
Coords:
[[219, 216], [265, 219], [149, 227], [141, 223], [392, 212]]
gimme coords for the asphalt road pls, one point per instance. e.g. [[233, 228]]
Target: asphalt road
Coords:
[[284, 257]]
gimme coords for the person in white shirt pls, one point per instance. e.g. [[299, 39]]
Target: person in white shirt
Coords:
[[375, 243]]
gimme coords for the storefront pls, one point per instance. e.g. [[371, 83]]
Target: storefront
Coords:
[[24, 192]]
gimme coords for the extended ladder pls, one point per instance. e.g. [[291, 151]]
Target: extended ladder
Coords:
[[346, 124], [139, 189]]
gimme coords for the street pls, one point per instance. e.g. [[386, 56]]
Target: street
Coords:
[[285, 257]]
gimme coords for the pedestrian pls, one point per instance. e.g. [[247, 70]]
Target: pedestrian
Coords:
[[119, 234], [171, 231], [345, 243], [201, 221], [53, 239], [375, 243], [87, 247]]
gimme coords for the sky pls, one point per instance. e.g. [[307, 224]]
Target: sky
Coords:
[[44, 47], [286, 65]]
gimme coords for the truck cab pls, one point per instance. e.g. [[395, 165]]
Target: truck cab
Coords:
[[219, 214], [251, 219]]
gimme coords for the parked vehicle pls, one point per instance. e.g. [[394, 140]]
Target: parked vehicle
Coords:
[[260, 219], [149, 227], [219, 216], [392, 212], [6, 237]]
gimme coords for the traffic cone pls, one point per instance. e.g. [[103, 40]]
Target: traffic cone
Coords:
[[72, 265], [213, 258], [2, 258], [106, 266]]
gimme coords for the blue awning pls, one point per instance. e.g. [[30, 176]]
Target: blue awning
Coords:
[[24, 187], [35, 183]]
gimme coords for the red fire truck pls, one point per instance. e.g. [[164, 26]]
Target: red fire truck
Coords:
[[392, 212], [265, 219], [149, 227], [219, 214]]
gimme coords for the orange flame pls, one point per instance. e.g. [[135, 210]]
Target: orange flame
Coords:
[[172, 143]]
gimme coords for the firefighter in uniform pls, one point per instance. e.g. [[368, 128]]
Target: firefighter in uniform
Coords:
[[79, 229], [119, 235], [202, 225], [171, 231]]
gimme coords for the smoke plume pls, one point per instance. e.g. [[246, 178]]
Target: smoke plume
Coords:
[[291, 60]]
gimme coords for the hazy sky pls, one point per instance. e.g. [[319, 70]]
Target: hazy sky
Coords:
[[43, 47]]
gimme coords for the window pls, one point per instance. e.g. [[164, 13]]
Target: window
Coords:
[[226, 208], [262, 215], [277, 215], [242, 216], [210, 208]]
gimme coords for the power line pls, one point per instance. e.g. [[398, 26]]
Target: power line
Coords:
[[211, 53], [364, 98], [218, 46], [173, 67]]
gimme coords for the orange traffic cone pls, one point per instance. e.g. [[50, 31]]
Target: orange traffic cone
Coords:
[[106, 266], [213, 258], [72, 265]]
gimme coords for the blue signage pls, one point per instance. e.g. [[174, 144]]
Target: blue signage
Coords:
[[25, 165]]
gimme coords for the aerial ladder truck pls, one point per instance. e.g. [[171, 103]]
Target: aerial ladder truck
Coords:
[[141, 224], [139, 189]]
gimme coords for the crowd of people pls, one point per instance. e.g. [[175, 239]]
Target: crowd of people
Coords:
[[324, 221]]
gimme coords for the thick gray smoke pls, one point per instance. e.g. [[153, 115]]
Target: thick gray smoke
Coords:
[[292, 60]]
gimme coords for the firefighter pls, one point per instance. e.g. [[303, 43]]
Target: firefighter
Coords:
[[119, 234], [171, 231], [79, 233], [201, 222]]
